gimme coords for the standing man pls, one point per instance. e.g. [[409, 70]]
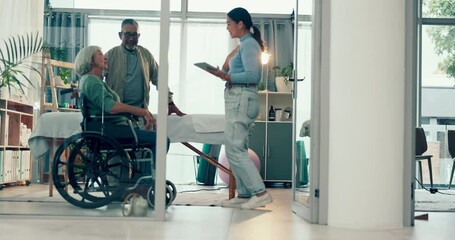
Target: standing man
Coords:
[[132, 67]]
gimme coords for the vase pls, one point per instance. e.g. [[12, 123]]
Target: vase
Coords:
[[281, 85], [58, 81]]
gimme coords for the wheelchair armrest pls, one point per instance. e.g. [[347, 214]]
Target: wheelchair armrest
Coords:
[[127, 118], [116, 116]]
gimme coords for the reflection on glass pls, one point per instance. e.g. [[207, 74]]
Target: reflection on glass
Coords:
[[82, 29], [438, 9], [437, 79], [302, 177], [303, 114], [438, 56], [437, 76]]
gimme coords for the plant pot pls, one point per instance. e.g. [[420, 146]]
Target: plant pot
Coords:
[[281, 85], [58, 81]]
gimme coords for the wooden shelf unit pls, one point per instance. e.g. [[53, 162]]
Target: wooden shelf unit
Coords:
[[16, 127], [48, 81]]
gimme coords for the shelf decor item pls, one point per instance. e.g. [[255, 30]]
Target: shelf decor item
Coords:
[[287, 114], [282, 75], [65, 75]]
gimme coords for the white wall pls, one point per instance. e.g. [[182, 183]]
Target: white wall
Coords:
[[367, 76]]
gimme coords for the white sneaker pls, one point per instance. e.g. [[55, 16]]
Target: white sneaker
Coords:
[[256, 201], [234, 202]]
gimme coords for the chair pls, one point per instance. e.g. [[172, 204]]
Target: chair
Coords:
[[421, 148], [451, 143]]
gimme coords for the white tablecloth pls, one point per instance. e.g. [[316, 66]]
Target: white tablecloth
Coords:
[[199, 128]]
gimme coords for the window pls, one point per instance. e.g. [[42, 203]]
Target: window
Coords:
[[198, 38], [438, 9], [435, 55], [438, 78], [275, 7], [113, 5]]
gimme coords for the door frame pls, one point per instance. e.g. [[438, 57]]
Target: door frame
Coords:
[[317, 211]]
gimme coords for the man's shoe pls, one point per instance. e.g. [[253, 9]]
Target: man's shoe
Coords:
[[234, 202], [256, 201]]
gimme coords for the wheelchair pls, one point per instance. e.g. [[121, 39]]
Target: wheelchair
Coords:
[[93, 168]]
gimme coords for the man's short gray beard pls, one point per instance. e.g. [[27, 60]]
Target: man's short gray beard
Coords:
[[129, 47]]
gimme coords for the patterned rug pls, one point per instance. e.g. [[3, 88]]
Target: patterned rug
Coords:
[[443, 201], [196, 195]]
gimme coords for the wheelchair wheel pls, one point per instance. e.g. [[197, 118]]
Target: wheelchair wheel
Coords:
[[151, 196], [90, 170], [173, 189]]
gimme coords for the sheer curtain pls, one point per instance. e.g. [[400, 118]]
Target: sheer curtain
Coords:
[[210, 42], [65, 34], [27, 17], [26, 14], [203, 92]]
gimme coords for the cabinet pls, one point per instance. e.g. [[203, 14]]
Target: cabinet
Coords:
[[51, 85], [16, 127], [272, 140]]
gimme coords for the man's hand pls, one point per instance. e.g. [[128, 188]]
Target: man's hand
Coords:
[[172, 108], [150, 120]]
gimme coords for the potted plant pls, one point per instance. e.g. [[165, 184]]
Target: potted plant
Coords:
[[282, 75], [15, 61], [64, 76], [261, 86]]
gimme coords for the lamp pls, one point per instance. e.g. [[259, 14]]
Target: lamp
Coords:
[[265, 57], [265, 60]]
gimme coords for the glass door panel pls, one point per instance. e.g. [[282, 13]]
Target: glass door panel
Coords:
[[302, 104]]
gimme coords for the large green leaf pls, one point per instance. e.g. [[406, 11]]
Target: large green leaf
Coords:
[[15, 61]]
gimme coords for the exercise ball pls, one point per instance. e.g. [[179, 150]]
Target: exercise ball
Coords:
[[223, 161]]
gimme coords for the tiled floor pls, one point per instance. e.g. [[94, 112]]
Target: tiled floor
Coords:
[[276, 221]]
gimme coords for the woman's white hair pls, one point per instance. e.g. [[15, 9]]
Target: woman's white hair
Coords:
[[84, 59]]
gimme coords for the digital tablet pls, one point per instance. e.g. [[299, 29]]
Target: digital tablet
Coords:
[[205, 66]]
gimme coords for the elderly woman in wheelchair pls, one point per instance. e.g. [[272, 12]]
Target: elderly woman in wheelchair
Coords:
[[111, 157]]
